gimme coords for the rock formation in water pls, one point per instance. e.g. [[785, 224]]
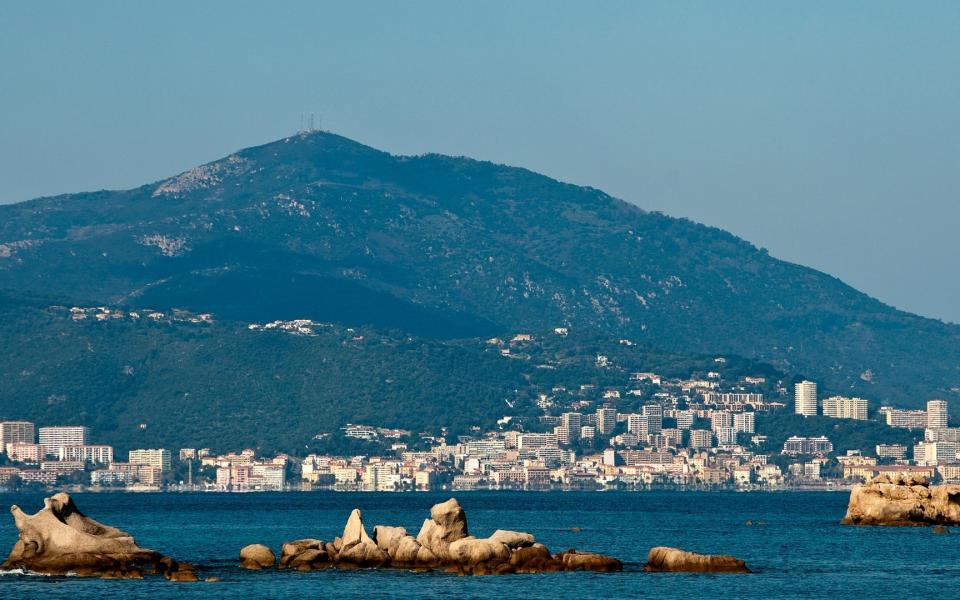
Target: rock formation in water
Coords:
[[256, 557], [662, 558], [903, 500], [443, 542], [60, 539]]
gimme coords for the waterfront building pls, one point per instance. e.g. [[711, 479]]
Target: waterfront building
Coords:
[[234, 476], [425, 480], [937, 417], [159, 458], [840, 407], [805, 398], [536, 477], [38, 476]]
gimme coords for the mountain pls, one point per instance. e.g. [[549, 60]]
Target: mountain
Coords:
[[318, 226]]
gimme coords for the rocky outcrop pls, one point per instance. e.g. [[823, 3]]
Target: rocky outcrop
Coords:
[[513, 539], [444, 542], [256, 557], [903, 500], [59, 539], [304, 555], [662, 558]]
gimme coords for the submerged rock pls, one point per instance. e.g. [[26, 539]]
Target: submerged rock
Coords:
[[663, 558], [900, 501], [443, 542], [60, 539]]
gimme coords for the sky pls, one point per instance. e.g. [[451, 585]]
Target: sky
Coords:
[[826, 132]]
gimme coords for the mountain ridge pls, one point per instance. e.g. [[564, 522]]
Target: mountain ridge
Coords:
[[440, 240]]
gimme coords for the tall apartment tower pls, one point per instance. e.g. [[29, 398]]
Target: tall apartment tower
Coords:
[[573, 421], [805, 398], [16, 432], [937, 414], [606, 420]]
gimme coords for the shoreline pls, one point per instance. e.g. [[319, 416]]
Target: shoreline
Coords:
[[846, 488]]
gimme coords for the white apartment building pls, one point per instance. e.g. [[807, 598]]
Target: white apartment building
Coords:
[[744, 422], [937, 417], [807, 445], [720, 419], [102, 455], [654, 415], [532, 441], [933, 453], [56, 437], [701, 438], [840, 407], [564, 435], [638, 424], [947, 434], [606, 420], [573, 421], [894, 451], [726, 436], [911, 419], [805, 398], [159, 458]]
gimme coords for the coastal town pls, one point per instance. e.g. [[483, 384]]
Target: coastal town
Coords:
[[699, 433]]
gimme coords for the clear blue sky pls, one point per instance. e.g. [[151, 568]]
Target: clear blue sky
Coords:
[[827, 132]]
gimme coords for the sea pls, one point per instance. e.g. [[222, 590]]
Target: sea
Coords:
[[792, 541]]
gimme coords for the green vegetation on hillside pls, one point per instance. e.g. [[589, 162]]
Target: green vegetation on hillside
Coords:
[[176, 383], [317, 226]]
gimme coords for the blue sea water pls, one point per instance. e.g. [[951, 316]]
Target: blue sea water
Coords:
[[795, 546]]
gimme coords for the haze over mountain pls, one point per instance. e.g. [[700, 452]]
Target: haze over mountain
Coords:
[[320, 227]]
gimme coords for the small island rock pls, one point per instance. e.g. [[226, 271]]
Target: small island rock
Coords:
[[60, 539], [667, 559], [903, 500]]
